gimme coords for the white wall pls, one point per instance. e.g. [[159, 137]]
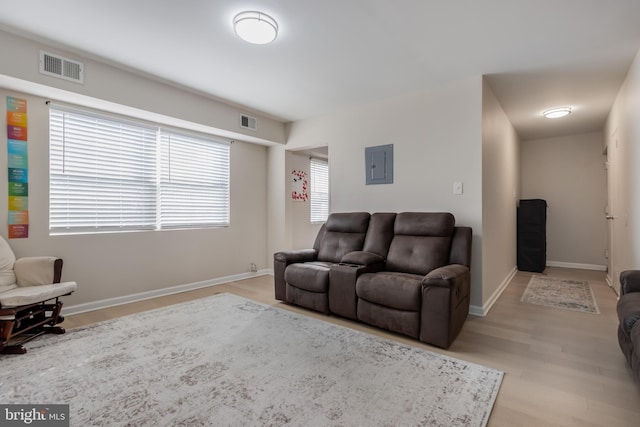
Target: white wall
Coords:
[[569, 173], [437, 140], [624, 123], [500, 192], [108, 87], [303, 232], [121, 264], [278, 233]]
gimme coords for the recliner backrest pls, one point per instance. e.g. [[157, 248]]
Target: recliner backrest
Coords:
[[461, 246], [421, 242], [380, 233], [342, 233]]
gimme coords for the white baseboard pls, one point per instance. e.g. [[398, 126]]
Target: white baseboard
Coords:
[[126, 299], [476, 311], [111, 302], [484, 310], [610, 283], [596, 267]]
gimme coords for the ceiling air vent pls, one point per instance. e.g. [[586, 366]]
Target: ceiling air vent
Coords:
[[61, 67], [248, 122]]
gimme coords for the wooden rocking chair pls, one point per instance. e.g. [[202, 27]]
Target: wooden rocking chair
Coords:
[[30, 292]]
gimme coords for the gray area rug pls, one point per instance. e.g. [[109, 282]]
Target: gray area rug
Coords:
[[225, 360], [575, 295]]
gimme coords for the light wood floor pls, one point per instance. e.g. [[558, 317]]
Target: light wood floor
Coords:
[[562, 368]]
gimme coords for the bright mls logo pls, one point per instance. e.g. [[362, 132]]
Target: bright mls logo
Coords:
[[34, 415]]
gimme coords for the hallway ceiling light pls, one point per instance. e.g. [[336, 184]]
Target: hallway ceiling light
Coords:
[[255, 27], [556, 113]]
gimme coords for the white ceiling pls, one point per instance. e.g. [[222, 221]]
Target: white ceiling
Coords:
[[334, 54]]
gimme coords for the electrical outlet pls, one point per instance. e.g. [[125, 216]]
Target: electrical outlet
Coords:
[[253, 267], [457, 188]]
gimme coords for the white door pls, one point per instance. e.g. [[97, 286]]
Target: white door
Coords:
[[608, 213], [614, 220]]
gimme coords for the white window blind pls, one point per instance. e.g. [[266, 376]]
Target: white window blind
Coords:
[[110, 174], [194, 181], [102, 173], [319, 190]]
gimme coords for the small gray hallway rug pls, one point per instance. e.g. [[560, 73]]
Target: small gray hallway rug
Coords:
[[568, 294], [225, 360]]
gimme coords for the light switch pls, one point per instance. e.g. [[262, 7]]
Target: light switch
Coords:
[[457, 188]]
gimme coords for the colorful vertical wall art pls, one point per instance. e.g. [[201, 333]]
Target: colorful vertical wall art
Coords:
[[18, 164]]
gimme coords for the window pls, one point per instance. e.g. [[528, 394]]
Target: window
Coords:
[[194, 182], [319, 190], [111, 174]]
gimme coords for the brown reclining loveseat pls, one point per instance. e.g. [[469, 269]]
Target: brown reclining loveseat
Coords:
[[407, 273]]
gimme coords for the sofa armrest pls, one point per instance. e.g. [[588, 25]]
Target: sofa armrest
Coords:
[[362, 258], [32, 271], [445, 304], [446, 276], [280, 262], [301, 255], [629, 281]]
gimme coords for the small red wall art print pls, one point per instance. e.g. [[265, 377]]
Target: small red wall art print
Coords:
[[299, 186]]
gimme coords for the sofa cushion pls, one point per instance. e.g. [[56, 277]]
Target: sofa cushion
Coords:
[[421, 242], [317, 301], [34, 294], [336, 245], [7, 259], [401, 291], [424, 224], [401, 321], [7, 287], [34, 271], [348, 222], [310, 276], [343, 233], [629, 311], [418, 254]]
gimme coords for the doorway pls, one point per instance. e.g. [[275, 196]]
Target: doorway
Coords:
[[613, 212], [302, 225]]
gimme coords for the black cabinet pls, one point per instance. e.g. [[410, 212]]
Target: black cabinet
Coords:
[[532, 235]]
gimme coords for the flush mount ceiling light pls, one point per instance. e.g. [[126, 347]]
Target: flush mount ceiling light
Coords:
[[255, 27], [556, 113]]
